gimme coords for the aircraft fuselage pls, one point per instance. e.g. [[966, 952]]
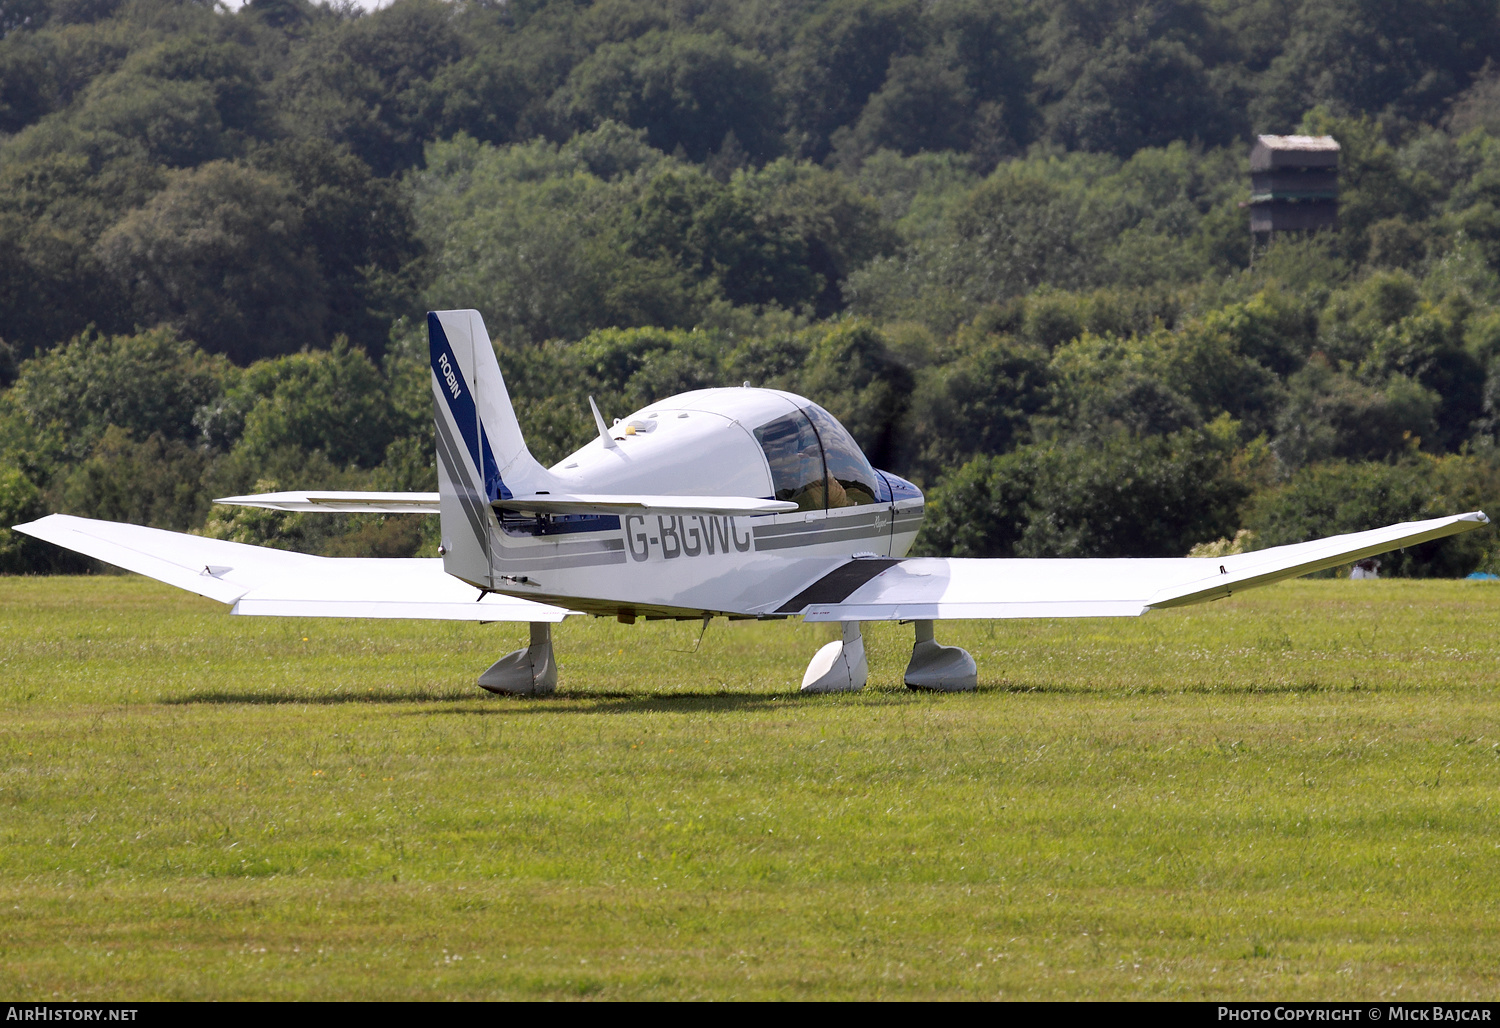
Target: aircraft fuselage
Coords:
[[749, 442]]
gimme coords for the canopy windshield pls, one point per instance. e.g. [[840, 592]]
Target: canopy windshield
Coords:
[[796, 460], [814, 462], [851, 480]]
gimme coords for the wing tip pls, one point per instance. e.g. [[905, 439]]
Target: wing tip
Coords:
[[36, 528]]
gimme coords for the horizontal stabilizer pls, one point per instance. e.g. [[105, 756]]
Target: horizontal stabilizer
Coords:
[[545, 503], [936, 588], [340, 502], [261, 580], [605, 503]]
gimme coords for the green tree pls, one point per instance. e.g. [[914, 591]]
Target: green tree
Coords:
[[710, 231], [978, 405], [634, 367], [362, 232], [1428, 348], [20, 501], [1275, 328], [1374, 56], [167, 122], [852, 373], [155, 481], [1331, 415], [924, 104], [838, 227], [533, 243], [1161, 382], [153, 383], [1333, 498], [1373, 185], [221, 255], [224, 68], [1116, 77], [1355, 317], [687, 90], [840, 57], [1111, 495], [370, 83], [331, 402], [51, 285], [27, 89]]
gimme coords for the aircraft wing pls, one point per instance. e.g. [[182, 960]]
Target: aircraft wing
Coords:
[[261, 580], [340, 501], [935, 588]]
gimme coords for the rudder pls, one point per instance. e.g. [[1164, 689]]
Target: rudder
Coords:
[[482, 455]]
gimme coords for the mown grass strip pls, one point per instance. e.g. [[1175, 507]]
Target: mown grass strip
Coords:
[[1289, 794]]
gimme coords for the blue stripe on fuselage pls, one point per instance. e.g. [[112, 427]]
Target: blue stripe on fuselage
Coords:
[[456, 392]]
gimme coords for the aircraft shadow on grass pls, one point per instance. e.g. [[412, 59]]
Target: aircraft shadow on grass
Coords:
[[696, 701], [603, 702], [1172, 689]]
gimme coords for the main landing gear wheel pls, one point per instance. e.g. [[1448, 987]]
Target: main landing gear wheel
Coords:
[[840, 666], [939, 668], [528, 672]]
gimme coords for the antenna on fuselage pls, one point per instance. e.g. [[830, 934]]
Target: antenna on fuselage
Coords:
[[699, 642], [604, 436]]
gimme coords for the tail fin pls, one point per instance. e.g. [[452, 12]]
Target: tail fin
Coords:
[[482, 456], [467, 381]]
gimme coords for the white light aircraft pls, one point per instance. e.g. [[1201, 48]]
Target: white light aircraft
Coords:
[[740, 503]]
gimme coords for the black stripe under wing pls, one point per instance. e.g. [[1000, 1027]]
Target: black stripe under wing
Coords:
[[839, 584]]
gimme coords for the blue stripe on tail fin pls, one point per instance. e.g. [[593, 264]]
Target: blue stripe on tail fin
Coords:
[[459, 396]]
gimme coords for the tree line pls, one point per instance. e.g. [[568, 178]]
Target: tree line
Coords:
[[1003, 242]]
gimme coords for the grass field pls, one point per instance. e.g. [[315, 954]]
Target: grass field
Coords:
[[1291, 794]]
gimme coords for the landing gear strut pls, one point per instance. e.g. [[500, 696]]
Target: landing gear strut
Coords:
[[939, 668], [528, 672], [840, 666]]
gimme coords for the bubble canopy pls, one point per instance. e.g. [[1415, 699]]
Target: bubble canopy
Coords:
[[815, 462]]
